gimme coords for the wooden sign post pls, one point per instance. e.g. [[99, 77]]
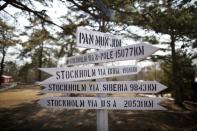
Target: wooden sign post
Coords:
[[97, 40], [107, 103], [148, 87], [130, 52], [102, 115], [86, 73], [68, 80]]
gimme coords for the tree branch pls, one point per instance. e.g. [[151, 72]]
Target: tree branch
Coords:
[[5, 4], [39, 14], [85, 9]]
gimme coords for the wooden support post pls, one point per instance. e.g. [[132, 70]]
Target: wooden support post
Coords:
[[102, 115]]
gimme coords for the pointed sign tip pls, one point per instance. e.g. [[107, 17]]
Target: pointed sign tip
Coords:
[[39, 102], [39, 69], [162, 87], [38, 83], [162, 108]]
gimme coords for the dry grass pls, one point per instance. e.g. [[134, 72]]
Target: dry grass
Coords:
[[15, 97], [19, 111]]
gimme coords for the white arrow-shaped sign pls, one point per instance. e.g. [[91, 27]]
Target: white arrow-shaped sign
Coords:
[[131, 52], [86, 73], [111, 103], [105, 87], [97, 40]]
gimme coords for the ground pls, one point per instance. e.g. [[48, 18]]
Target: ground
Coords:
[[19, 111]]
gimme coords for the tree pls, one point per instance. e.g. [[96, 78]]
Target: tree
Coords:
[[35, 48], [28, 6], [175, 18], [185, 74], [12, 69], [7, 39], [178, 23]]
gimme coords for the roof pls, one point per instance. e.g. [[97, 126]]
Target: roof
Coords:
[[8, 77]]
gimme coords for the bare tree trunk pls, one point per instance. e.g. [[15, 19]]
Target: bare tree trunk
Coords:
[[175, 78], [2, 63], [40, 62]]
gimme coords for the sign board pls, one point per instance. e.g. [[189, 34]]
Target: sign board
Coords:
[[131, 52], [104, 8], [86, 73], [105, 87], [97, 40], [111, 103]]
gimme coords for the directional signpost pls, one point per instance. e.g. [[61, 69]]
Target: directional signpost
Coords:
[[97, 40], [86, 73], [104, 8], [105, 87], [131, 52], [110, 103], [68, 80]]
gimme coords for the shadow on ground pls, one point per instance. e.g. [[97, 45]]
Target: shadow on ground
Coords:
[[32, 117], [19, 111]]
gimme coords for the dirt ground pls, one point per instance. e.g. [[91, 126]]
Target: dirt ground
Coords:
[[19, 111]]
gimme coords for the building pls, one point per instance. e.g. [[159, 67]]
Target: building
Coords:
[[6, 79]]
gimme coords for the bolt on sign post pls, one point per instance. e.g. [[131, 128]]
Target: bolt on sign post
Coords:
[[69, 80]]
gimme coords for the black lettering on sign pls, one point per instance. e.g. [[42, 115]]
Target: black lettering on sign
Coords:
[[138, 103], [48, 102], [69, 103], [83, 87], [67, 74], [106, 41], [114, 87], [93, 72], [101, 72], [112, 71], [76, 74], [133, 87], [80, 37], [82, 103], [94, 87], [92, 103], [91, 57], [114, 103], [143, 87], [86, 38], [50, 86], [154, 87], [98, 40], [91, 39], [129, 69], [58, 75], [96, 57], [106, 103], [101, 41], [107, 55], [127, 52], [116, 43]]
